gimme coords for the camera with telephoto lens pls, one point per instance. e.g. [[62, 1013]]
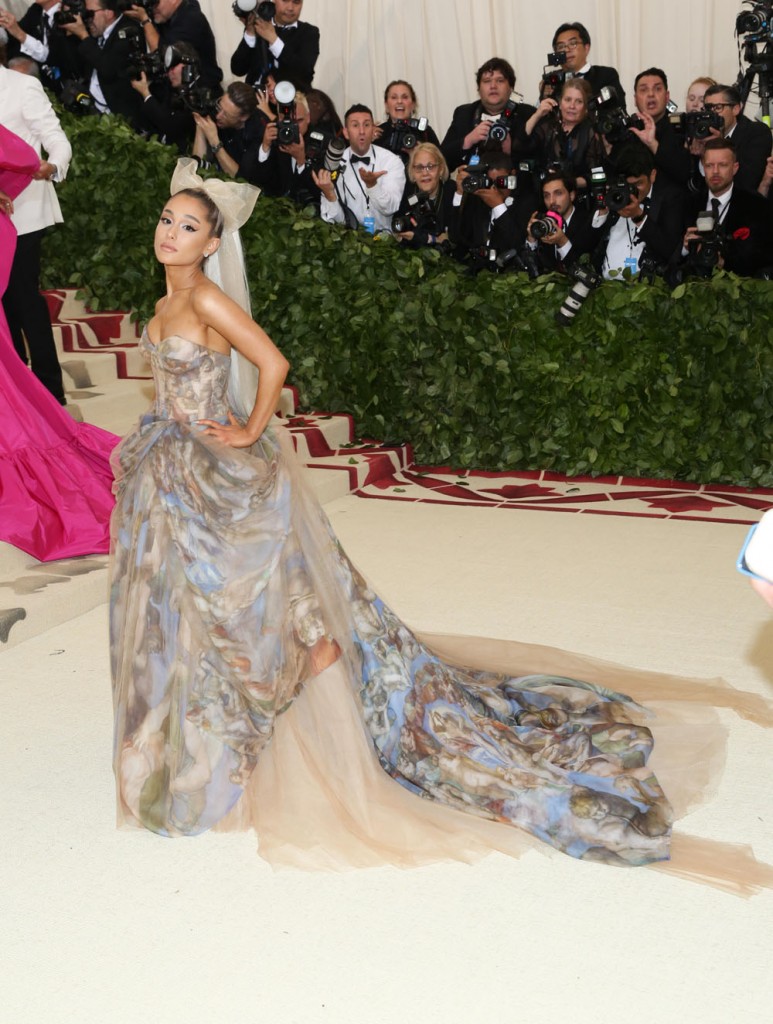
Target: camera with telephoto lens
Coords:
[[479, 180], [609, 117], [585, 281], [545, 225], [287, 131], [70, 10], [503, 126], [703, 252], [756, 24], [401, 135], [324, 152]]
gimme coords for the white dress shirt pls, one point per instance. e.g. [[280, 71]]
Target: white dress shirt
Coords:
[[26, 110], [38, 48], [379, 202]]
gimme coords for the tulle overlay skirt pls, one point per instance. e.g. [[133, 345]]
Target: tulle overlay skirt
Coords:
[[227, 584]]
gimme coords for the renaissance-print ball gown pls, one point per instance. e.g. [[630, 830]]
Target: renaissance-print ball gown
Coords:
[[227, 577], [55, 477]]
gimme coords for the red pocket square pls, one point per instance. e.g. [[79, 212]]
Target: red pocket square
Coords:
[[741, 234]]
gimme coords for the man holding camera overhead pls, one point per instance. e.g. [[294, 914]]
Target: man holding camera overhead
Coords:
[[275, 40], [165, 22]]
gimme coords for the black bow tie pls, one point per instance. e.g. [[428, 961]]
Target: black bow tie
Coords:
[[361, 159]]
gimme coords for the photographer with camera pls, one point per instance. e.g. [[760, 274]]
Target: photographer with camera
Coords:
[[490, 211], [275, 40], [165, 112], [640, 217], [493, 123], [36, 35], [753, 140], [369, 189], [560, 132], [230, 133], [562, 232], [168, 22], [572, 41], [280, 166], [107, 46], [672, 159], [425, 209], [737, 236], [403, 131]]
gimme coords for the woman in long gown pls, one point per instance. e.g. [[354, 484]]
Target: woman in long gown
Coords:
[[259, 681], [55, 477]]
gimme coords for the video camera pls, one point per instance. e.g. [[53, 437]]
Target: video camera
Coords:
[[609, 118], [401, 135], [756, 24]]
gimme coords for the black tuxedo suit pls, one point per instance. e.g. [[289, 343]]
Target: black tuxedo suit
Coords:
[[579, 232], [296, 61], [464, 120], [110, 63], [753, 142], [662, 230], [470, 227], [188, 24], [747, 228], [62, 63]]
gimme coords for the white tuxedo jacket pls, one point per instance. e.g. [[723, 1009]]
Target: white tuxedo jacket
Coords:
[[26, 110]]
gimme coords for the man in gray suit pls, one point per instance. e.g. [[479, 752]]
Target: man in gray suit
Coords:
[[26, 110]]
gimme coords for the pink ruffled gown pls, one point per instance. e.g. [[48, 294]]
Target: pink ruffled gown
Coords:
[[55, 477]]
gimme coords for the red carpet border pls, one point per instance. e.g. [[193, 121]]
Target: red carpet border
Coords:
[[371, 469]]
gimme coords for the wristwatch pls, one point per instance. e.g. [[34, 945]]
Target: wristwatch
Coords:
[[216, 148]]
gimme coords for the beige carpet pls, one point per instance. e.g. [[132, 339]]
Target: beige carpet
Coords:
[[105, 925]]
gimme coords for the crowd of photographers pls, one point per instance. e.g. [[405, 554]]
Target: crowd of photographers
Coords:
[[585, 181]]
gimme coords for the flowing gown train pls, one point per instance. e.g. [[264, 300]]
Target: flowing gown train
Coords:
[[226, 579]]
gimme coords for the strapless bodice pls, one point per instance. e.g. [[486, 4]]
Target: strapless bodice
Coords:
[[191, 380]]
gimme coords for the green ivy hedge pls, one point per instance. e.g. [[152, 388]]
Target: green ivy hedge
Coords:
[[472, 371]]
